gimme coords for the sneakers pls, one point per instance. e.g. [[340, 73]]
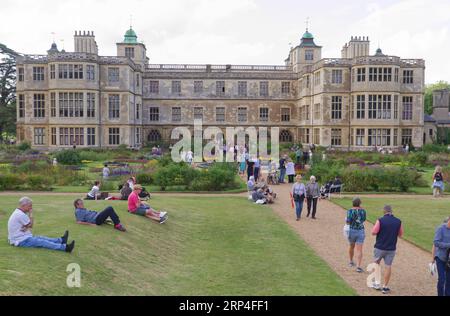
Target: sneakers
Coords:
[[359, 270], [351, 264], [385, 290], [70, 246], [162, 214], [376, 286], [65, 237], [120, 228], [162, 220]]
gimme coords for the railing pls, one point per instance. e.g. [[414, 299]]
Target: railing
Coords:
[[413, 62], [212, 68]]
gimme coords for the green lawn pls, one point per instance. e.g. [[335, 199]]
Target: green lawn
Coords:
[[209, 246], [420, 217]]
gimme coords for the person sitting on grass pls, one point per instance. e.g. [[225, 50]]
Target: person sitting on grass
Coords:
[[251, 184], [125, 192], [85, 216], [136, 206], [95, 192], [259, 197], [19, 230]]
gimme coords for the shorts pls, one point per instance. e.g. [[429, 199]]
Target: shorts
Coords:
[[387, 255], [141, 211], [356, 236]]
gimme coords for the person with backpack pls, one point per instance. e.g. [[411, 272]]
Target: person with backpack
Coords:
[[442, 258], [356, 216], [438, 182]]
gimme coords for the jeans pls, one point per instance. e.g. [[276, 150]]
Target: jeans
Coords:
[[312, 203], [443, 286], [282, 175], [299, 208], [43, 242], [256, 173], [108, 212]]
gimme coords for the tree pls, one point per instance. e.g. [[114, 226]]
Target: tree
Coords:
[[429, 94]]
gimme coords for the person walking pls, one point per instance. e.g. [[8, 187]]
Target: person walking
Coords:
[[312, 196], [106, 172], [387, 229], [438, 182], [282, 168], [298, 194], [442, 259], [257, 168], [290, 170], [356, 216], [298, 155]]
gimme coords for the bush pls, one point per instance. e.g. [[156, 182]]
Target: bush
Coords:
[[144, 178], [11, 182], [418, 159], [38, 183], [24, 146], [434, 148], [68, 157]]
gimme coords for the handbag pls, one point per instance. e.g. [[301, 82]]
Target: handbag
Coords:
[[346, 230]]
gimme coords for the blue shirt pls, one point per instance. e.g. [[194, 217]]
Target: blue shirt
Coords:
[[85, 216], [442, 241], [257, 163]]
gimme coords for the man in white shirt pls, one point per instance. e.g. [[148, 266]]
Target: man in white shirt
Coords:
[[19, 230], [106, 172]]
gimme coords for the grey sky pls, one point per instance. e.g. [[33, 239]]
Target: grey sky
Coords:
[[235, 31]]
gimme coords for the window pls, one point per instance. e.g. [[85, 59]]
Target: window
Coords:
[[395, 137], [286, 137], [64, 137], [263, 114], [220, 114], [113, 75], [39, 105], [336, 76], [53, 104], [38, 73], [242, 88], [336, 108], [380, 74], [198, 113], [307, 112], [242, 114], [336, 137], [70, 104], [317, 112], [407, 113], [220, 88], [138, 111], [52, 71], [387, 74], [114, 136], [360, 107], [90, 72], [373, 74], [138, 136], [21, 107], [285, 87], [360, 137], [307, 135], [91, 136], [396, 71], [396, 107], [285, 114], [114, 106], [309, 55], [387, 108], [154, 136], [138, 80], [264, 89], [361, 75], [70, 71], [385, 137], [198, 86], [90, 105], [176, 87], [317, 78], [176, 114], [21, 74], [308, 82], [372, 137], [154, 87], [430, 132], [316, 136], [71, 136], [379, 137], [406, 136], [53, 130], [154, 114], [129, 52], [380, 107], [408, 76], [39, 136]]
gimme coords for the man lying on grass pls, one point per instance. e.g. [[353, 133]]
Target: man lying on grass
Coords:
[[19, 230], [136, 206], [85, 216]]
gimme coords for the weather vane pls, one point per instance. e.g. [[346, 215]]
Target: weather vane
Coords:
[[307, 23], [53, 36]]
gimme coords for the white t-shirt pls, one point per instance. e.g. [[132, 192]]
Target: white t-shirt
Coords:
[[95, 190], [131, 184], [16, 223], [290, 168], [105, 172]]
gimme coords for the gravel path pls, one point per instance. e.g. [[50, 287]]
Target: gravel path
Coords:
[[410, 275]]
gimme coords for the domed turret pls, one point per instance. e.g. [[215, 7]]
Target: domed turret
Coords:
[[53, 49], [130, 37], [307, 40]]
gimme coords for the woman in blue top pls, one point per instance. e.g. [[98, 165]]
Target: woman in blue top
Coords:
[[442, 253], [356, 217], [298, 193]]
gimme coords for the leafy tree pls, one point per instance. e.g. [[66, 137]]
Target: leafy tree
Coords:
[[429, 94]]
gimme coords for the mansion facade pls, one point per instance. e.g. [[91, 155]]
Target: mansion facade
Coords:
[[355, 102]]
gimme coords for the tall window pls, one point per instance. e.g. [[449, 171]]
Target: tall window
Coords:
[[90, 72], [407, 113], [285, 114], [76, 136], [154, 114], [263, 114], [387, 74], [176, 87], [53, 104], [220, 88], [38, 73], [114, 106], [396, 74], [39, 105], [336, 137], [138, 111], [360, 137], [220, 114], [316, 136], [317, 78], [21, 107], [307, 112], [385, 137], [198, 86], [129, 52], [21, 74], [154, 87], [242, 88], [39, 136], [264, 89], [91, 136], [90, 105], [70, 71], [373, 74], [138, 136], [52, 71], [114, 136], [176, 114], [138, 81], [406, 136], [360, 107], [380, 107], [113, 75], [53, 142], [309, 55], [408, 76], [395, 137], [198, 113], [285, 87], [396, 107], [361, 75], [387, 107], [70, 104], [317, 112], [336, 76], [242, 114], [336, 108]]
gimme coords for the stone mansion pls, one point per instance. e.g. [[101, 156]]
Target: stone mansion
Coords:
[[355, 102]]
